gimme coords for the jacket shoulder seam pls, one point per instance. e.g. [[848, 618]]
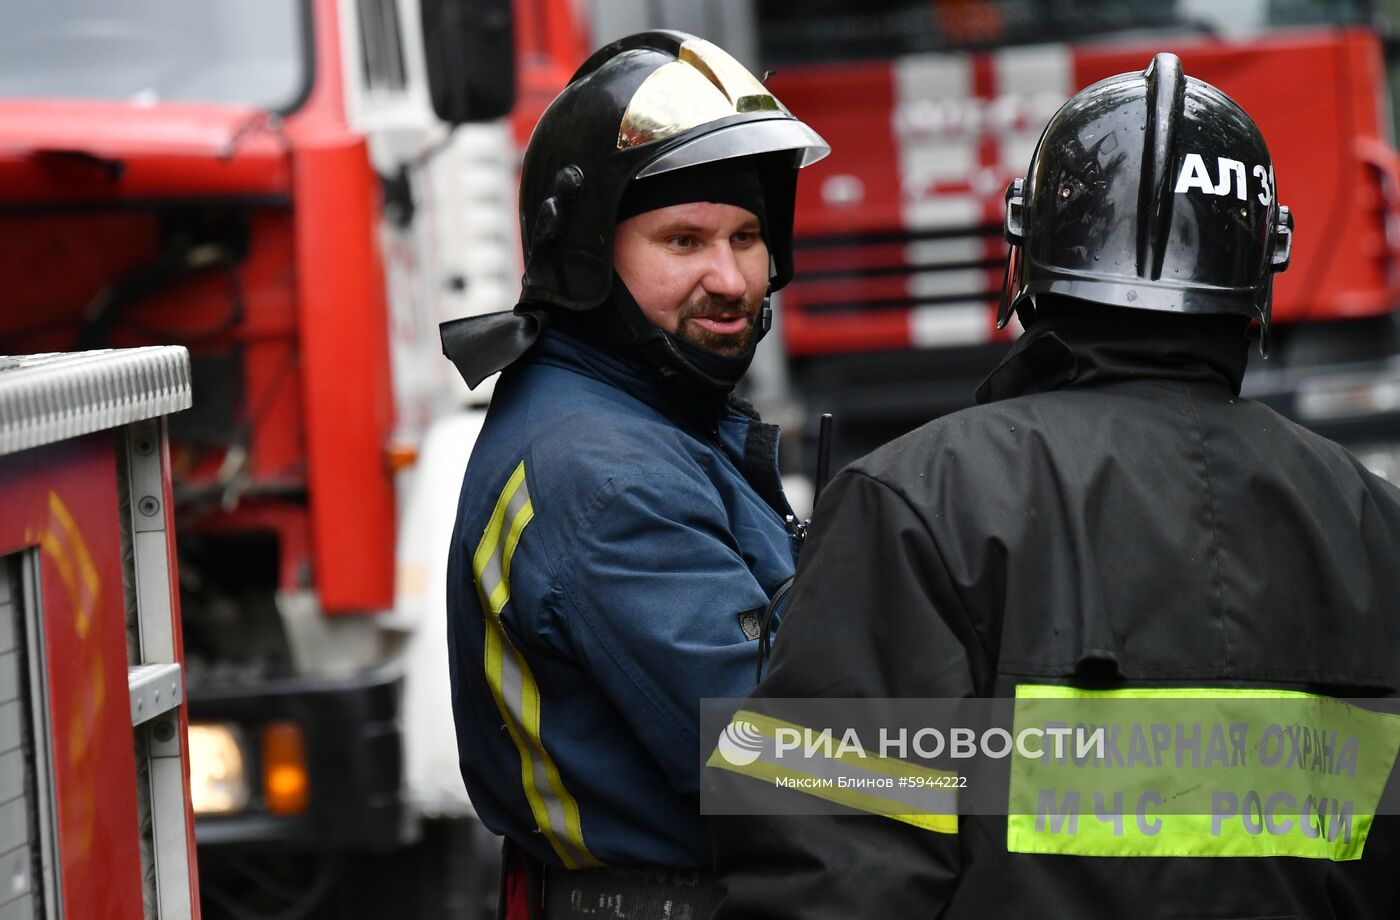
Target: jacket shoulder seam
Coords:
[[1214, 547]]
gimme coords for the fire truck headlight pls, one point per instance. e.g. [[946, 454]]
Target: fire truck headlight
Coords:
[[218, 777]]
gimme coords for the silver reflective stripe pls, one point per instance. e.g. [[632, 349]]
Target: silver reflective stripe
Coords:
[[511, 676], [512, 692], [494, 571], [513, 686]]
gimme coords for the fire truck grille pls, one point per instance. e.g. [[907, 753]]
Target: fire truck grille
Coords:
[[895, 290]]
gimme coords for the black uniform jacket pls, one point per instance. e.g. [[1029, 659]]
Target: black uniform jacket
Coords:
[[1113, 515]]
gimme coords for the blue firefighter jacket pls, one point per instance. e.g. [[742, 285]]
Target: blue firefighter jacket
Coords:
[[614, 546]]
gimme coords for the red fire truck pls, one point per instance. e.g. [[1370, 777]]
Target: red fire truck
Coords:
[[95, 816], [299, 196], [933, 106]]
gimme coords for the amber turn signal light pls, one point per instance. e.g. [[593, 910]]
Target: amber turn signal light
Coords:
[[286, 786]]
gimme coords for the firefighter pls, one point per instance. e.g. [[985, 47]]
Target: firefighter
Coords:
[[1112, 515], [622, 525]]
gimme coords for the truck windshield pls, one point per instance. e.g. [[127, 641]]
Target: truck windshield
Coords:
[[817, 31], [240, 52]]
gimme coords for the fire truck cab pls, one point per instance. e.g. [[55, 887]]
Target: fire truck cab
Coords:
[[298, 191], [933, 106]]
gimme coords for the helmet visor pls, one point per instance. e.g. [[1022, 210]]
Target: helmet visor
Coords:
[[743, 139]]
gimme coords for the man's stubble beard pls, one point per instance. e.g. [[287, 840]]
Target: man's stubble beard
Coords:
[[730, 346]]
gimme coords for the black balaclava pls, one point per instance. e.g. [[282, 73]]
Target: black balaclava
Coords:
[[618, 323]]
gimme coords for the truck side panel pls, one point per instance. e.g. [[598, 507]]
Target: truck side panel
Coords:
[[72, 520]]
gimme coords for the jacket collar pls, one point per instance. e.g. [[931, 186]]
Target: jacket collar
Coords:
[[1092, 347], [724, 420], [631, 375]]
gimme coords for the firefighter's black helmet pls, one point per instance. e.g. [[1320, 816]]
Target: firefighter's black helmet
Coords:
[[644, 105], [1151, 191]]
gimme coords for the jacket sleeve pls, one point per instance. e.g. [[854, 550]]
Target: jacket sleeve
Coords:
[[652, 596], [873, 614]]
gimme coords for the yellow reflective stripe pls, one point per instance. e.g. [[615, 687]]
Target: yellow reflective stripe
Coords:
[[1059, 692], [573, 826], [517, 527], [878, 763], [771, 773], [1179, 835], [771, 770], [485, 565], [1323, 809], [513, 685], [497, 601]]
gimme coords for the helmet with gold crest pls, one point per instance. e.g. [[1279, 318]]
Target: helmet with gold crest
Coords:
[[642, 106]]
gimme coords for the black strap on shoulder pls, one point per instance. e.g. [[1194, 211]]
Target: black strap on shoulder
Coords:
[[760, 461], [765, 632]]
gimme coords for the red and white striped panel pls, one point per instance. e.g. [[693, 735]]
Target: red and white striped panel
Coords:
[[964, 125]]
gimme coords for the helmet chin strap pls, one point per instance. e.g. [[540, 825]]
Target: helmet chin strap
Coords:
[[676, 358]]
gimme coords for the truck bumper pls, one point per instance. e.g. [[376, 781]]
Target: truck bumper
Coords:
[[354, 763]]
